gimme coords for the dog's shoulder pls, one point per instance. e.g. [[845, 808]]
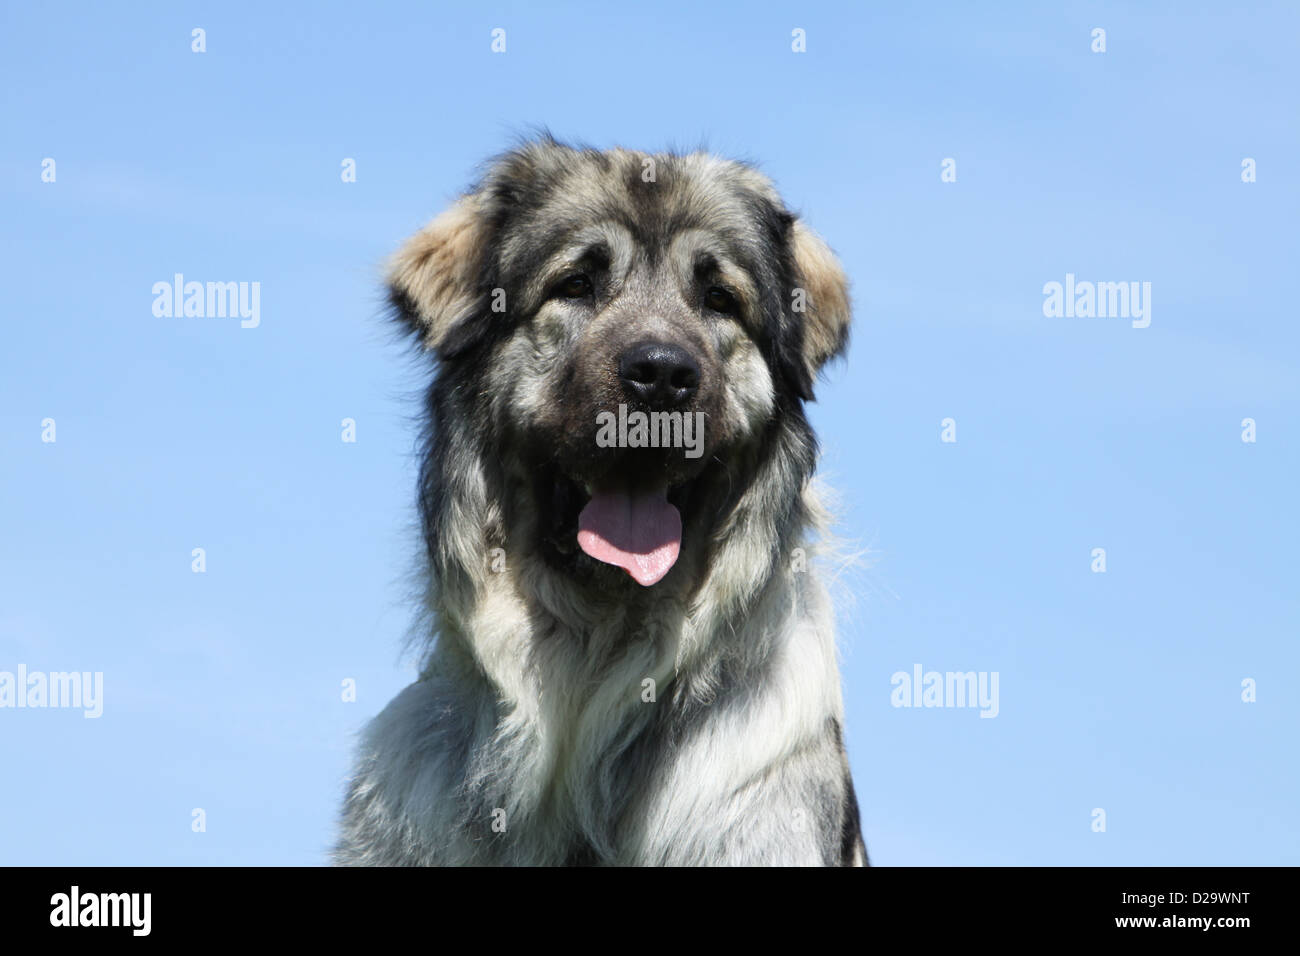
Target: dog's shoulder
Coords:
[[400, 806]]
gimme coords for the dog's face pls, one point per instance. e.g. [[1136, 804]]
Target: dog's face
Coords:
[[625, 329]]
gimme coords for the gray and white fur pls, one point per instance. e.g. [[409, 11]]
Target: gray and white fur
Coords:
[[564, 713]]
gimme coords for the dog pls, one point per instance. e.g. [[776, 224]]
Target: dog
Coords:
[[629, 658]]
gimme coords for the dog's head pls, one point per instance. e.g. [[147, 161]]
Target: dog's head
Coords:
[[617, 334]]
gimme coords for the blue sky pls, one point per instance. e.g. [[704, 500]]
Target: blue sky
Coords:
[[1118, 690]]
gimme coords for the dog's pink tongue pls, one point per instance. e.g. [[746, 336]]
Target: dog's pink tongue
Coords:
[[640, 533]]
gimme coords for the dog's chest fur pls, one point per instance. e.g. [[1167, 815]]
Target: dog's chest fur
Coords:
[[602, 748]]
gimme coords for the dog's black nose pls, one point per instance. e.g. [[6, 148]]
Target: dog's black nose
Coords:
[[660, 375]]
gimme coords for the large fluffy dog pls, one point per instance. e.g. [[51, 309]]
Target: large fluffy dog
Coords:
[[633, 662]]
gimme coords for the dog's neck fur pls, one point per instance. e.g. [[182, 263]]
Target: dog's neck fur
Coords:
[[559, 671]]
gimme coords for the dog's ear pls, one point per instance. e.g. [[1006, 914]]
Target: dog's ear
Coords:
[[433, 280], [823, 306]]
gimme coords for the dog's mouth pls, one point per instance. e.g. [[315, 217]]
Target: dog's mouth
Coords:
[[638, 531], [631, 526]]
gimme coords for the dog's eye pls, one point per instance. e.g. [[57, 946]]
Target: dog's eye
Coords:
[[576, 286], [720, 300]]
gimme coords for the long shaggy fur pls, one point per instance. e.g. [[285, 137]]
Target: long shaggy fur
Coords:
[[564, 714]]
